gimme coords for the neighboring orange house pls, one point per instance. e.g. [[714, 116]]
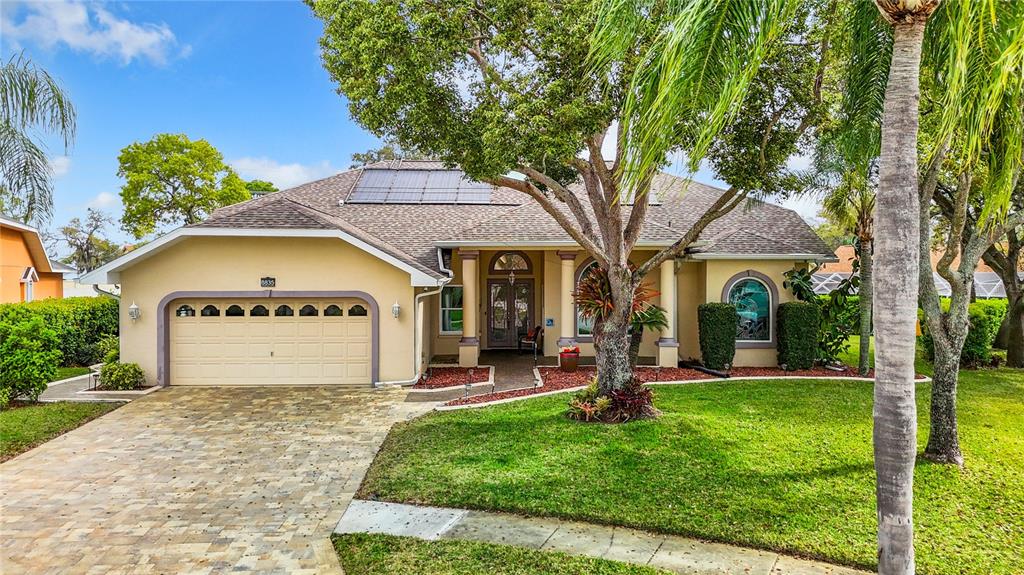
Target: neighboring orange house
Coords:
[[25, 270]]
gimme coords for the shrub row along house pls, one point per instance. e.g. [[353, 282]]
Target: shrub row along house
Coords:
[[363, 277]]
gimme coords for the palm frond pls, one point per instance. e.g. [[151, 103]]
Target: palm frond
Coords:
[[30, 97], [867, 44], [25, 174]]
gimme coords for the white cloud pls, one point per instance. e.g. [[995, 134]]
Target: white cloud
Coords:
[[60, 165], [282, 175], [89, 28], [103, 200]]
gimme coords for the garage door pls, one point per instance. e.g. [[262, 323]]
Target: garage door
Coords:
[[270, 342]]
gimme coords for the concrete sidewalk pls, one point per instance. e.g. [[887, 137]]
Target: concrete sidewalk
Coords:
[[669, 552]]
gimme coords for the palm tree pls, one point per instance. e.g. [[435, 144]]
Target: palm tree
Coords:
[[30, 99]]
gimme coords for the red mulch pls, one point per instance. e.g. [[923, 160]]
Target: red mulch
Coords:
[[451, 376], [549, 385]]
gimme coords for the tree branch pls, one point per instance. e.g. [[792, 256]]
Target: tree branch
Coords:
[[564, 195]]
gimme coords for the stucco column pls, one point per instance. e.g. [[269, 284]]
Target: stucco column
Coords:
[[567, 323], [469, 345], [668, 346]]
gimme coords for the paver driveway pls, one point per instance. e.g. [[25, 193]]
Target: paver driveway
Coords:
[[196, 480]]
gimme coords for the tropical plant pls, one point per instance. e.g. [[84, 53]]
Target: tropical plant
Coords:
[[650, 318], [538, 87], [172, 180], [593, 298], [30, 100], [836, 325]]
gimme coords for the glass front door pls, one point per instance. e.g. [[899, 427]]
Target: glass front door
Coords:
[[510, 311]]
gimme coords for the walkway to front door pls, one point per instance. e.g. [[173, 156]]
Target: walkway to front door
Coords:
[[197, 480]]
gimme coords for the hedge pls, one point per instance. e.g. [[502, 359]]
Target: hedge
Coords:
[[985, 317], [717, 325], [798, 324], [28, 358], [79, 322]]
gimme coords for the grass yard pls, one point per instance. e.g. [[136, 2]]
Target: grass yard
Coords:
[[783, 465], [366, 554], [24, 427], [66, 372]]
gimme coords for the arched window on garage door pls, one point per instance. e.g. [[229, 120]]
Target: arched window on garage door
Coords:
[[357, 311], [210, 310], [259, 311], [284, 310], [309, 310]]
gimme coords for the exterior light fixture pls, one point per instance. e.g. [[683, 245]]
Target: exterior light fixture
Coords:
[[396, 309], [134, 312]]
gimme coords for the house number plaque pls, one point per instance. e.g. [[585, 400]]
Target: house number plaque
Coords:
[[268, 282]]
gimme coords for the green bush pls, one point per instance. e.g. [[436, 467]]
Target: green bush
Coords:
[[717, 325], [80, 323], [984, 317], [29, 357], [109, 348], [122, 376], [798, 334]]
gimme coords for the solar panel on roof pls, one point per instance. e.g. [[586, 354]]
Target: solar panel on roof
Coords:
[[418, 187]]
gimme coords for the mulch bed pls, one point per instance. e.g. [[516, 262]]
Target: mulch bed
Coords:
[[451, 376]]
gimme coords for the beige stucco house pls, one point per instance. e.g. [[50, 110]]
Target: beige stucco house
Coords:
[[363, 277]]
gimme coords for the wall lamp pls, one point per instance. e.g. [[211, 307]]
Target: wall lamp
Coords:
[[134, 312], [396, 309]]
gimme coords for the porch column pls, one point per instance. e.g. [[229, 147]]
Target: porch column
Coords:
[[469, 345], [567, 323], [668, 346]]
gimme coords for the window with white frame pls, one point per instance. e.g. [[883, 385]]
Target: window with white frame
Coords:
[[451, 310]]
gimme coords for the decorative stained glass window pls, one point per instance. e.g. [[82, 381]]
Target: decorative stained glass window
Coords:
[[210, 311], [234, 311], [510, 262], [284, 310], [185, 311], [357, 311], [308, 310], [585, 326], [259, 311], [753, 303], [451, 309], [332, 311]]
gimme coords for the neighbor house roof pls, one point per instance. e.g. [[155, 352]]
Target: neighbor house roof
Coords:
[[33, 242], [412, 232]]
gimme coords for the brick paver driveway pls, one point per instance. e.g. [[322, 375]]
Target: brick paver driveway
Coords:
[[200, 480]]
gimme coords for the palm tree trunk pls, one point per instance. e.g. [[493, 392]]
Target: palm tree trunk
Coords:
[[897, 241], [634, 345], [865, 291]]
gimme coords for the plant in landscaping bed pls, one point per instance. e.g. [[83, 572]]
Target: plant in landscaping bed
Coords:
[[634, 401], [109, 348], [798, 334], [717, 325], [587, 405], [122, 376], [29, 357], [838, 320]]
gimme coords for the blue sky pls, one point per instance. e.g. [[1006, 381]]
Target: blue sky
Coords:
[[246, 76]]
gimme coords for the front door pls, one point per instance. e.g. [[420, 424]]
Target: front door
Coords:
[[510, 311]]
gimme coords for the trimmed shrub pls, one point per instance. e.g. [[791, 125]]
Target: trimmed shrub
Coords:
[[28, 358], [80, 323], [109, 348], [984, 317], [798, 334], [717, 325], [122, 376]]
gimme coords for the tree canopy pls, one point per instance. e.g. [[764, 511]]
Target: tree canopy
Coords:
[[385, 152], [172, 180], [89, 249], [260, 186]]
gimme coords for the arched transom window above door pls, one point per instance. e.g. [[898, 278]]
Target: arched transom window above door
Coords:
[[505, 262]]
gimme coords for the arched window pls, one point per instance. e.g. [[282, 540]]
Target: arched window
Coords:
[[357, 311], [185, 311], [505, 262], [584, 326], [284, 310], [308, 310], [234, 311], [755, 297], [210, 311], [332, 311], [259, 311]]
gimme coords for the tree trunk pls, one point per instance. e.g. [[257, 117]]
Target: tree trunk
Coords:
[[1015, 329], [898, 242], [943, 439], [866, 265], [611, 335], [634, 346]]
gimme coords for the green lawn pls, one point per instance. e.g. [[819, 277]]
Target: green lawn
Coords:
[[365, 554], [66, 372], [24, 427], [783, 465]]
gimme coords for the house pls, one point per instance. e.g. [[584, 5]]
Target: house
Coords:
[[363, 277], [26, 273], [987, 283]]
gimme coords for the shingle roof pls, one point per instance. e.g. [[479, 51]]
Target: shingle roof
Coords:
[[412, 232]]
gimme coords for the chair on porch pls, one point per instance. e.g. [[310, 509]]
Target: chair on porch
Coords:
[[533, 339]]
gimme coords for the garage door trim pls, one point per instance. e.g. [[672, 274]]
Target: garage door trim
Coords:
[[164, 325]]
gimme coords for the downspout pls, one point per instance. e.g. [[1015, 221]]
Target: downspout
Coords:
[[415, 317]]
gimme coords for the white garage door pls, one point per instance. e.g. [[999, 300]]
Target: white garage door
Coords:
[[270, 342]]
